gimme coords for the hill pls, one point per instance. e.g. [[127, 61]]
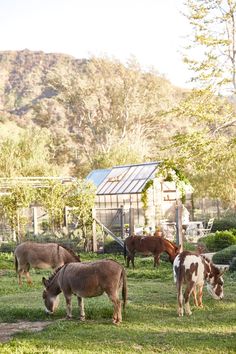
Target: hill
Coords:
[[88, 106]]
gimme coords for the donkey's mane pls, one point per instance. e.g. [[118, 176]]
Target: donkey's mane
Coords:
[[206, 259], [70, 251], [52, 276], [172, 243]]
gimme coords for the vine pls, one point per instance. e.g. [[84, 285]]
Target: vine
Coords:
[[144, 199], [170, 173]]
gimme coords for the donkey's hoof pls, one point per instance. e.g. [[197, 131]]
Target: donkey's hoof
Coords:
[[82, 318], [68, 317]]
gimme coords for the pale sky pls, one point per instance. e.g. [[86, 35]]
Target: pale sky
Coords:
[[150, 30]]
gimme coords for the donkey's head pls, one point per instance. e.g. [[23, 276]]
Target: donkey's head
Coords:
[[51, 300], [215, 283]]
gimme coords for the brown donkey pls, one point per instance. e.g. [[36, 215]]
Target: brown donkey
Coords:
[[86, 279], [41, 255], [146, 245]]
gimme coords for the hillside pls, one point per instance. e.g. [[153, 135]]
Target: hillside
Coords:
[[61, 94]]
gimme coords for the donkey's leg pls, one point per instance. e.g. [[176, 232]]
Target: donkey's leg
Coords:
[[20, 272], [187, 294], [180, 298], [28, 277], [195, 296], [156, 259], [199, 300], [81, 308], [68, 306], [132, 259], [117, 317]]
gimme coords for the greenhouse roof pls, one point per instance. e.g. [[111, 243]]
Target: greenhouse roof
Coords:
[[97, 176], [128, 179]]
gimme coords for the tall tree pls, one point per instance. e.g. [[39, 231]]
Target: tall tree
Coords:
[[212, 42], [207, 148]]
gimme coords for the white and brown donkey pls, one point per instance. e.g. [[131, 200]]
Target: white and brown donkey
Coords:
[[194, 270]]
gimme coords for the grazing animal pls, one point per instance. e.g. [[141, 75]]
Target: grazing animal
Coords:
[[193, 270], [41, 255], [149, 245], [86, 279]]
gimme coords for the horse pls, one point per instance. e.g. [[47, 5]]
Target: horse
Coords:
[[194, 269], [86, 279], [149, 245], [41, 255]]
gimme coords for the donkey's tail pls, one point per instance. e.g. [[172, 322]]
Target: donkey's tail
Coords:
[[124, 288], [16, 264], [125, 252]]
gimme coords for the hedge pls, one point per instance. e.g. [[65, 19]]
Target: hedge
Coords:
[[218, 241], [225, 256]]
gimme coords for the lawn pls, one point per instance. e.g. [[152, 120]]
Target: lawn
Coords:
[[151, 324]]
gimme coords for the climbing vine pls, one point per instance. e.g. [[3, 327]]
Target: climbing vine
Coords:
[[144, 199], [171, 173]]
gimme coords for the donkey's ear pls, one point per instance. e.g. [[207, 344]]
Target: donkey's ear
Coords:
[[45, 282], [223, 270]]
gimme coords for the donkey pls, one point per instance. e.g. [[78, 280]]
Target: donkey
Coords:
[[149, 245], [193, 270], [41, 255], [86, 279]]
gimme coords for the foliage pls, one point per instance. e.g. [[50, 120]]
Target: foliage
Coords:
[[28, 154], [225, 256], [218, 241], [54, 197], [213, 34], [81, 198], [226, 223], [211, 115], [232, 266], [111, 105], [171, 173], [144, 199], [8, 247], [111, 246], [12, 204]]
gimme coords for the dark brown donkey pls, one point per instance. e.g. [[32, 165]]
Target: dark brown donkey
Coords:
[[41, 255], [86, 279], [149, 245]]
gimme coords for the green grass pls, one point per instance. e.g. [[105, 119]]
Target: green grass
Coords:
[[151, 324]]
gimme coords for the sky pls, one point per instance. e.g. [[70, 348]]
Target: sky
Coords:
[[152, 31]]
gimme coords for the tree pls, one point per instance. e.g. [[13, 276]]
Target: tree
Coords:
[[111, 106], [214, 42], [28, 155], [206, 149]]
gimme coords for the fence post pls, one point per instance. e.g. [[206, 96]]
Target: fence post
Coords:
[[131, 221], [95, 246], [35, 221], [178, 218], [122, 221]]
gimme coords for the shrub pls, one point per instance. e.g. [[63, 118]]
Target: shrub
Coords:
[[225, 256], [232, 266], [218, 241], [224, 224], [112, 247], [8, 247]]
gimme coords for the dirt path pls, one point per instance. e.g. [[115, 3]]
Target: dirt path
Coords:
[[8, 329]]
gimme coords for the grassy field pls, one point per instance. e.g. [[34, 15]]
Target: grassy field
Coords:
[[151, 324]]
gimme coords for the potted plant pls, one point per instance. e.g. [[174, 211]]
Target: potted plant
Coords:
[[158, 231]]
